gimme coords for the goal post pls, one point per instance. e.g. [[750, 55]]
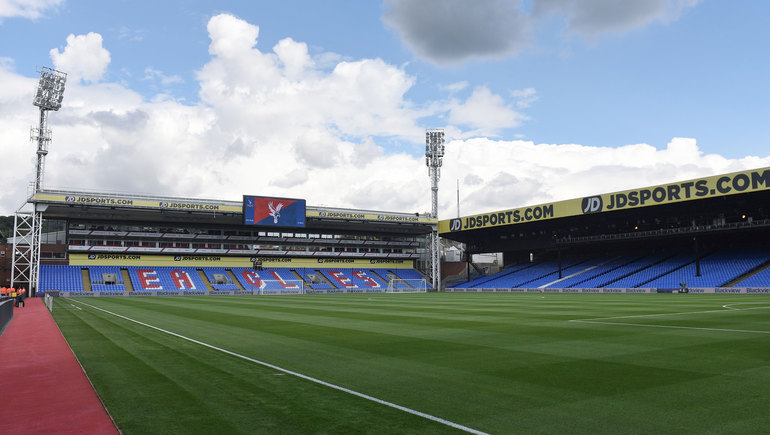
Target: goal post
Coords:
[[282, 287], [403, 285]]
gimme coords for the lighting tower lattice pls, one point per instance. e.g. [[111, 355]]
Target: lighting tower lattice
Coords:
[[434, 152], [27, 225]]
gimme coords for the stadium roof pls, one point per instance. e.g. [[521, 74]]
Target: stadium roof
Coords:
[[735, 200], [72, 204]]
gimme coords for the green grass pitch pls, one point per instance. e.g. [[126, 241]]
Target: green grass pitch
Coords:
[[494, 363]]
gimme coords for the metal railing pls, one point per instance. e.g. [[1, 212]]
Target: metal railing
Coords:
[[666, 232]]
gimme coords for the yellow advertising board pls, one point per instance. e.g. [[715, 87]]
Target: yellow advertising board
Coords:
[[353, 215], [219, 261], [128, 202], [700, 188], [105, 200]]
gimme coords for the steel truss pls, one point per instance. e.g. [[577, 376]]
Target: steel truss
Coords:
[[25, 268]]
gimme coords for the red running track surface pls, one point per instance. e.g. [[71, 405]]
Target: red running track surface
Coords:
[[43, 381]]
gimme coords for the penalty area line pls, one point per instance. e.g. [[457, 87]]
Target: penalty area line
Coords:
[[297, 374]]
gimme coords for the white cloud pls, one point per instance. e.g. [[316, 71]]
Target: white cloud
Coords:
[[485, 113], [273, 122], [457, 86], [30, 9], [128, 34], [165, 80], [294, 58], [82, 58], [498, 175], [524, 97]]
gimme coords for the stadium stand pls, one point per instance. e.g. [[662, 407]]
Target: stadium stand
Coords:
[[59, 277], [388, 275], [165, 278], [602, 266], [267, 279], [220, 279], [759, 279], [653, 270], [484, 281], [314, 279], [727, 267], [354, 279], [106, 278], [652, 237], [716, 270]]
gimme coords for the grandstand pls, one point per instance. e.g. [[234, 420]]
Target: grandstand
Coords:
[[704, 234], [137, 244], [708, 233]]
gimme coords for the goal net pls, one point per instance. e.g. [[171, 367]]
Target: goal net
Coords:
[[282, 287], [399, 285]]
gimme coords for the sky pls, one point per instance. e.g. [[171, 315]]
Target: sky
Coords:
[[540, 100]]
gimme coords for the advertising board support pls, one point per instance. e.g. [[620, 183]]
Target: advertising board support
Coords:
[[468, 264], [697, 256]]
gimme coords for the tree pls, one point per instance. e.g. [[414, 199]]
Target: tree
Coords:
[[6, 228]]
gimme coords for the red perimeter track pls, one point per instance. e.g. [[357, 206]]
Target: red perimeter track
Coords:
[[42, 385]]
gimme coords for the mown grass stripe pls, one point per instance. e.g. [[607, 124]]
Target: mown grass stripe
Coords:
[[500, 363], [695, 328], [297, 374]]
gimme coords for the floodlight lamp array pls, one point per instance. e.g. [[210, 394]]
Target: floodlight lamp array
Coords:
[[434, 147], [50, 89]]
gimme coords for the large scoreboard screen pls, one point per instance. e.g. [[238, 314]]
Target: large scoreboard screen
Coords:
[[273, 212]]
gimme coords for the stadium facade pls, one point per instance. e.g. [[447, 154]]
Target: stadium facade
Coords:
[[679, 224], [130, 230]]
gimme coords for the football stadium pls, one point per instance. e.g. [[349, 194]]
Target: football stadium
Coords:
[[640, 311]]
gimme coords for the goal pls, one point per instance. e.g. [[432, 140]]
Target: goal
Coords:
[[48, 301], [399, 285], [282, 287]]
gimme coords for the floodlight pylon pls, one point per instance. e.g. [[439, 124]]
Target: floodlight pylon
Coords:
[[49, 96], [434, 153], [28, 225]]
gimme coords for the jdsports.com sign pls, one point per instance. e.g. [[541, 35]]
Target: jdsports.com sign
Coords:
[[701, 188], [723, 185]]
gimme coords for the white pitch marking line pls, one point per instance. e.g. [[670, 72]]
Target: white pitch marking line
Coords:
[[300, 375], [650, 315], [729, 307], [732, 306], [74, 306], [601, 320], [672, 326]]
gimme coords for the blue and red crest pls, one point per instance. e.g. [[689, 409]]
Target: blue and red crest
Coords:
[[276, 212]]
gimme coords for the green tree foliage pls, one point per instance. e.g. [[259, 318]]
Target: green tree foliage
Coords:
[[6, 228]]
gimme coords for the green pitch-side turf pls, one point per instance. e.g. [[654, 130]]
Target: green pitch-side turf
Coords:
[[496, 363]]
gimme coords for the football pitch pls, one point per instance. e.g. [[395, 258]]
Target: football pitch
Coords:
[[426, 363]]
